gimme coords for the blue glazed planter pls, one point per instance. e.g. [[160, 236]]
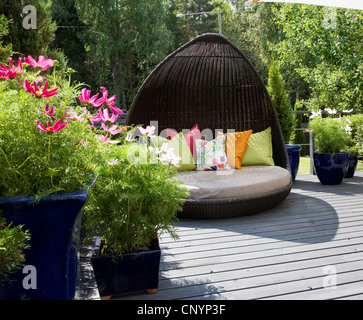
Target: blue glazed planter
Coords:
[[352, 167], [54, 225], [131, 272], [293, 152], [331, 168]]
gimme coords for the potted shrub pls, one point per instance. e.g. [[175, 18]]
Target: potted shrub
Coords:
[[49, 155], [277, 91], [330, 137], [13, 243], [354, 127], [134, 200]]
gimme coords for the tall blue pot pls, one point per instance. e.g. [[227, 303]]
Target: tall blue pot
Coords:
[[353, 164], [331, 168], [293, 152], [54, 225]]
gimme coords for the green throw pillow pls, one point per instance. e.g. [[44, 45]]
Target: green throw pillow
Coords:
[[181, 149], [259, 150]]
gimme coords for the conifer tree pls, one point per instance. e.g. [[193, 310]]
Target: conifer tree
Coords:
[[299, 136], [68, 39], [28, 41], [5, 50], [127, 39], [277, 91]]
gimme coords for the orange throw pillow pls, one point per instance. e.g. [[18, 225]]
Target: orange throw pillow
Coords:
[[236, 144]]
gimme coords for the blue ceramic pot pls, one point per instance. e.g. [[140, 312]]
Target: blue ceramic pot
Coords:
[[352, 167], [131, 272], [54, 225], [331, 168], [293, 152]]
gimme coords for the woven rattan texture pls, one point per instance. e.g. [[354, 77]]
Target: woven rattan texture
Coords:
[[211, 83]]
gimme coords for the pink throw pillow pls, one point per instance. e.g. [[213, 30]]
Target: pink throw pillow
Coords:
[[194, 133], [170, 134]]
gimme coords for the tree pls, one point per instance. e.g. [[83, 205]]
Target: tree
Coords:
[[67, 38], [277, 91], [5, 51], [28, 41], [319, 50], [299, 136], [255, 32], [194, 25], [325, 48], [126, 39]]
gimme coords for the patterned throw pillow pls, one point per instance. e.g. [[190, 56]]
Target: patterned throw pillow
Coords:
[[193, 134], [211, 155]]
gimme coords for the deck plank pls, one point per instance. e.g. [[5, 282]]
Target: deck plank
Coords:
[[282, 253]]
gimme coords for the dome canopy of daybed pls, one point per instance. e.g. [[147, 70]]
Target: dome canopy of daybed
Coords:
[[210, 82]]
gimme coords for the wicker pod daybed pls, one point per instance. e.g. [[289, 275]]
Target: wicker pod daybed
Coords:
[[209, 82]]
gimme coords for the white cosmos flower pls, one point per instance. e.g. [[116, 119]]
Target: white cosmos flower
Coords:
[[331, 111], [129, 137], [348, 111], [113, 162], [348, 129], [169, 157], [149, 131], [315, 114]]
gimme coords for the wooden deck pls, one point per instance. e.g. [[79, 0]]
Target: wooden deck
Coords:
[[309, 247]]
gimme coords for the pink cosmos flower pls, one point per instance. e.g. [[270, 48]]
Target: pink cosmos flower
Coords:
[[56, 127], [48, 112], [44, 93], [103, 115], [83, 143], [10, 73], [42, 63], [106, 139], [7, 73], [103, 138], [80, 117], [18, 68], [72, 116], [85, 99], [112, 130], [110, 102], [39, 81]]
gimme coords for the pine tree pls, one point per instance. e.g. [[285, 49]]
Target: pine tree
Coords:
[[68, 38], [299, 136], [194, 25], [5, 51], [28, 41], [127, 39], [277, 91]]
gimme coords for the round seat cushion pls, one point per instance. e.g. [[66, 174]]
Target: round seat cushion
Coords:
[[233, 184]]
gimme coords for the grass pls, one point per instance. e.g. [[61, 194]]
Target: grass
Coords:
[[304, 167]]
